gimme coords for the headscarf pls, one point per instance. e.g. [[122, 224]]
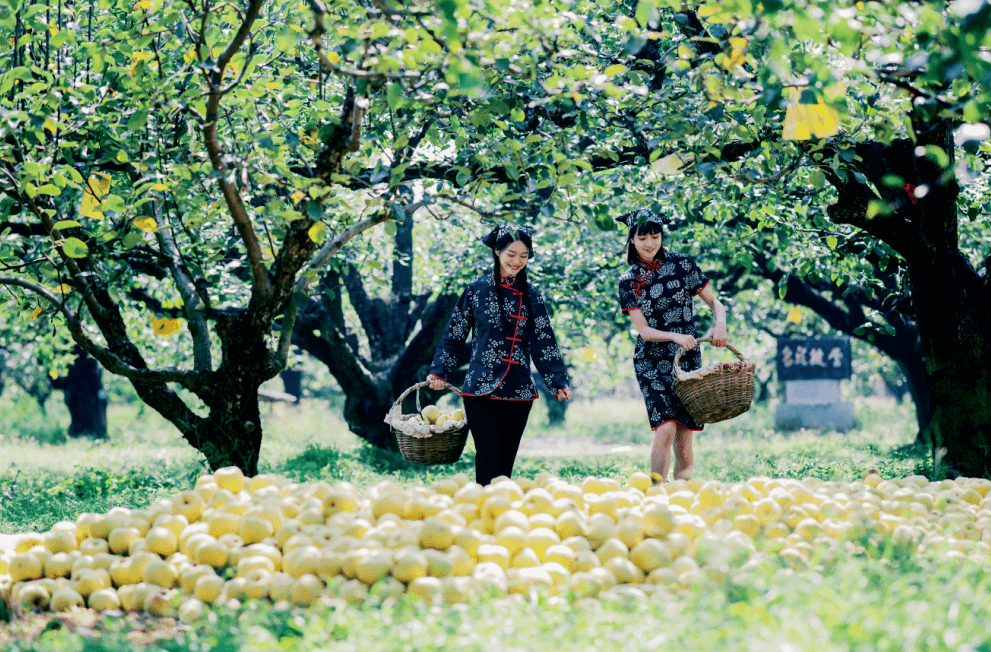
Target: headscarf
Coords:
[[641, 216], [504, 235]]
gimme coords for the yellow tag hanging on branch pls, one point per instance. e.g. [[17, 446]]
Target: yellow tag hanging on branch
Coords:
[[165, 327], [97, 186], [803, 121], [795, 315], [672, 164]]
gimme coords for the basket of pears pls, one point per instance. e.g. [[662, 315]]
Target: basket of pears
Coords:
[[429, 436]]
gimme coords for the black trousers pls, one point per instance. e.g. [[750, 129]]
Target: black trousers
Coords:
[[496, 428]]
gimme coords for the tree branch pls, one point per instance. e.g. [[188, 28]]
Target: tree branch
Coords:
[[191, 302], [106, 357], [320, 259], [262, 283]]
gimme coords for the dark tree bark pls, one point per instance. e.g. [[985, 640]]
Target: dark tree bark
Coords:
[[396, 360], [292, 382], [85, 397], [950, 299]]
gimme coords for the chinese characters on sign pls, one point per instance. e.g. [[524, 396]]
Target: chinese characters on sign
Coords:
[[813, 358]]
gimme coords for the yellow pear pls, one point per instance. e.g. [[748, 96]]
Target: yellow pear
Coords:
[[430, 413], [65, 599], [409, 564], [60, 540], [374, 566], [160, 602], [650, 554], [191, 611], [25, 566], [58, 565], [32, 596], [436, 533], [160, 573], [230, 478], [427, 589], [208, 588], [212, 553], [104, 599], [161, 541], [305, 590], [610, 548]]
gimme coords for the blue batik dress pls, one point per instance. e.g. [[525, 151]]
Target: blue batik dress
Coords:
[[663, 290]]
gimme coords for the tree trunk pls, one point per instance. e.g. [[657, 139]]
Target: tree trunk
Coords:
[[85, 397], [951, 301], [397, 361], [957, 363], [292, 382]]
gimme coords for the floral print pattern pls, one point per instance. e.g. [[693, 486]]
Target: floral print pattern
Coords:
[[663, 291], [501, 349]]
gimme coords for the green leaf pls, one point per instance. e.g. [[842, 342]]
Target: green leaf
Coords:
[[317, 232], [831, 241], [391, 228], [645, 12], [286, 39], [818, 179], [49, 189], [65, 224], [615, 69], [75, 248]]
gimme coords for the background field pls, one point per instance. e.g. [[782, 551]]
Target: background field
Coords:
[[44, 478]]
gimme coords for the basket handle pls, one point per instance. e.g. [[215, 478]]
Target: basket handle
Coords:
[[398, 405], [677, 371]]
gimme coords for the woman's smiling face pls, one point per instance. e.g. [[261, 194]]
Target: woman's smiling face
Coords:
[[647, 245], [513, 258]]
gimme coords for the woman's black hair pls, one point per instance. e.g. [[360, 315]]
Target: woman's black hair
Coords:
[[647, 228], [524, 288]]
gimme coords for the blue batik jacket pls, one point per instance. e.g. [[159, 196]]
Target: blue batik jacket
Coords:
[[501, 349]]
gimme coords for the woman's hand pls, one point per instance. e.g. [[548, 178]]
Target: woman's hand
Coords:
[[436, 382], [718, 335], [563, 394], [687, 342]]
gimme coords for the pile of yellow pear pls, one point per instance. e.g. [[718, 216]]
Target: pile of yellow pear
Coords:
[[233, 538]]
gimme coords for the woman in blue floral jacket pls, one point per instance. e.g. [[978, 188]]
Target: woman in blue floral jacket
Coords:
[[511, 327]]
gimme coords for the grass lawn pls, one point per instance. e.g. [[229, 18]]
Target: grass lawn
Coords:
[[870, 597]]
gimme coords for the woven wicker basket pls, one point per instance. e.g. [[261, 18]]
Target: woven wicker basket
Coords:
[[426, 444], [718, 392]]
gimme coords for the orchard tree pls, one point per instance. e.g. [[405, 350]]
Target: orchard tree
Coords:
[[177, 174]]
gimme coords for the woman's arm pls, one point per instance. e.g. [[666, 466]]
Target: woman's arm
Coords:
[[719, 336], [653, 335], [453, 342], [544, 351]]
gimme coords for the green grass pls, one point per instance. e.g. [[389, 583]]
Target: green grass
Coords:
[[45, 478]]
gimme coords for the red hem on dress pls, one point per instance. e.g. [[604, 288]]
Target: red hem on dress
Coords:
[[701, 288], [679, 423]]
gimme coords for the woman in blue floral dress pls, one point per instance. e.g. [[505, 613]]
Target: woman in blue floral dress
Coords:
[[657, 292], [511, 327]]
